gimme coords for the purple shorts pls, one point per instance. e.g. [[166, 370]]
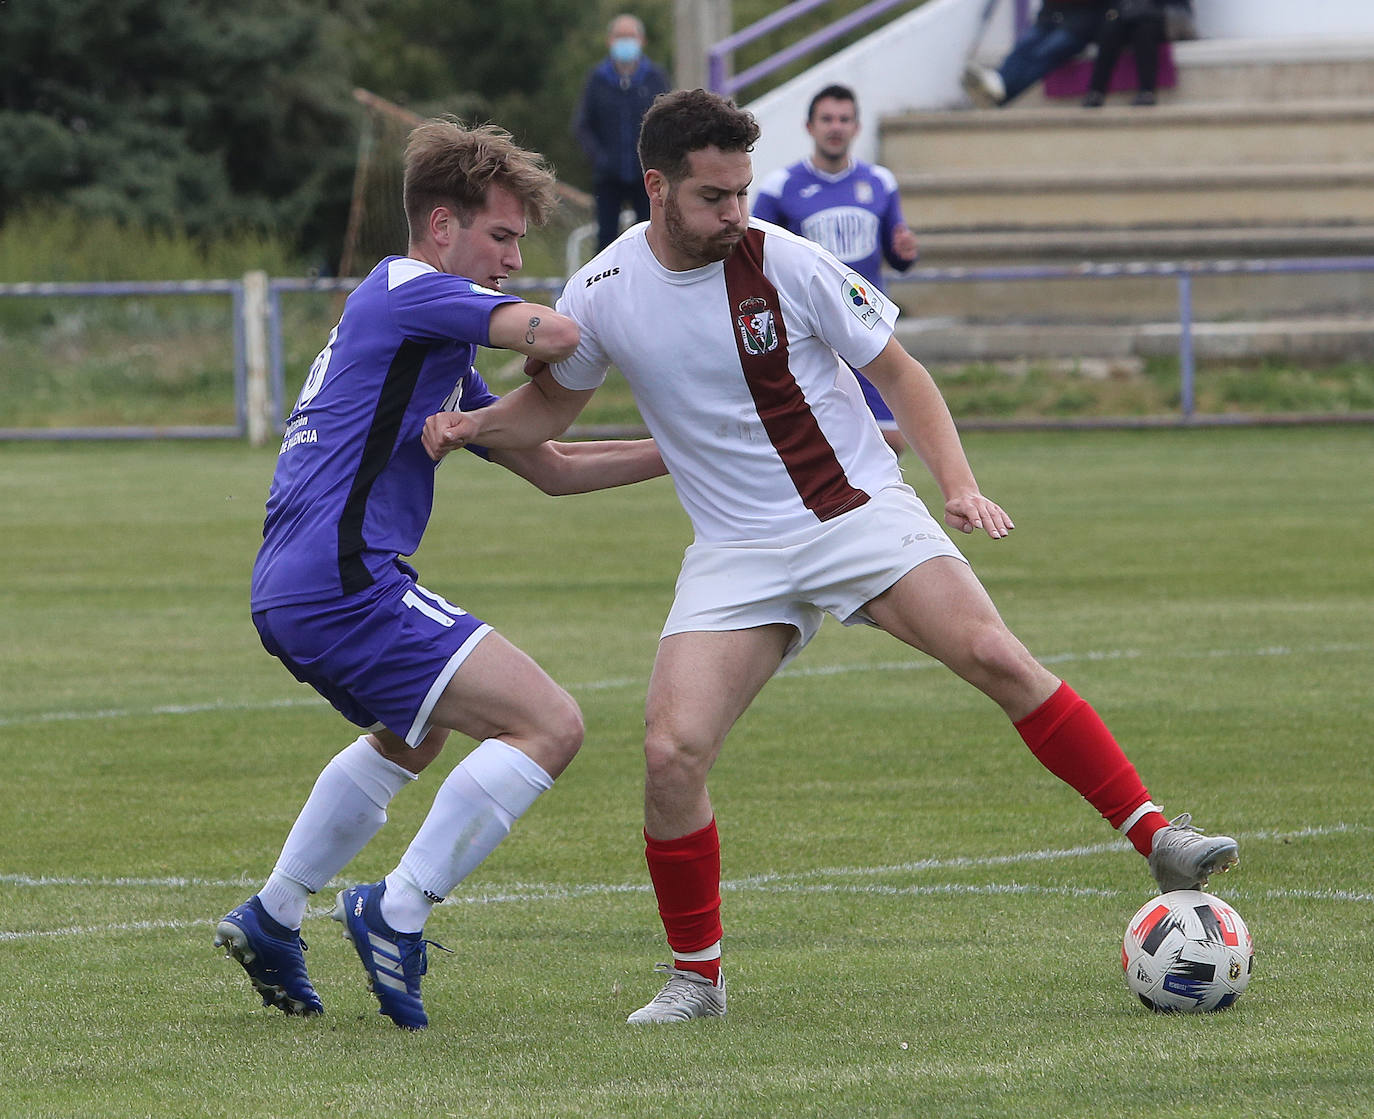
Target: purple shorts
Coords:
[[876, 404], [383, 655]]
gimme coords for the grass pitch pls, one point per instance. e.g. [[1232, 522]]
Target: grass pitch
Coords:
[[919, 920]]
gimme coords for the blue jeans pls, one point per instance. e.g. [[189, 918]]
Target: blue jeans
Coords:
[[1052, 40]]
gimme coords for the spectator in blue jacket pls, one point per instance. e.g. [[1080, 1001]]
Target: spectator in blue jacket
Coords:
[[618, 92]]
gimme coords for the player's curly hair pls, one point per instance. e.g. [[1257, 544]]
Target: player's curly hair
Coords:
[[688, 120], [450, 164]]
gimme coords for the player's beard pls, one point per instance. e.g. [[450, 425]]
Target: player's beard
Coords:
[[695, 247]]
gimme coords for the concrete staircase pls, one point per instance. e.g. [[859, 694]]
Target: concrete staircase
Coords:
[[1262, 150]]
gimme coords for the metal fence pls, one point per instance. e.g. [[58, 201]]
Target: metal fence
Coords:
[[239, 325], [1183, 272], [260, 403]]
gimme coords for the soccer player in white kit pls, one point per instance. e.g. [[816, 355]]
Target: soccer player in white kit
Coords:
[[736, 338]]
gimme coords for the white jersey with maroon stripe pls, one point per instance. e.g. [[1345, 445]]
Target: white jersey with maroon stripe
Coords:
[[735, 370]]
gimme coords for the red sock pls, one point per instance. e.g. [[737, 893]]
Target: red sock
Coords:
[[686, 877], [1069, 739]]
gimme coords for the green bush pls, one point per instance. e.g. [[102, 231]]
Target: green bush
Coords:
[[50, 244], [106, 360]]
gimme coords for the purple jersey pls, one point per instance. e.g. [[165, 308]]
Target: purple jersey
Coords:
[[354, 488], [853, 213]]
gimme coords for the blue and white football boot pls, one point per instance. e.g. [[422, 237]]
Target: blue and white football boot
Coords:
[[272, 955], [393, 961]]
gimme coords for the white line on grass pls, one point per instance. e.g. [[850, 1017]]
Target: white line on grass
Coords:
[[941, 888], [798, 883], [538, 891], [40, 717], [169, 883], [962, 861], [1241, 894], [164, 709], [102, 930]]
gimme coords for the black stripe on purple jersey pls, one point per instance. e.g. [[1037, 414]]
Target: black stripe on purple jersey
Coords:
[[392, 402]]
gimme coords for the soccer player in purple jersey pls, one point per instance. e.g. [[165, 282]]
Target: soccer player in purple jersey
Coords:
[[850, 207], [335, 602]]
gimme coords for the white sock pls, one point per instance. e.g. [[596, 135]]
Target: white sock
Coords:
[[1135, 817], [473, 811], [345, 809]]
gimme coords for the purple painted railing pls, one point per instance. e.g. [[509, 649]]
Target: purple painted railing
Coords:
[[1021, 16], [1182, 271], [231, 288], [718, 56]]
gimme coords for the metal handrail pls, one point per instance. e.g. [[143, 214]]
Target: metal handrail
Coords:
[[1182, 270], [717, 55], [86, 289]]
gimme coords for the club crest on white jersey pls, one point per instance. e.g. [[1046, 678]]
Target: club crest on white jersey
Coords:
[[757, 330]]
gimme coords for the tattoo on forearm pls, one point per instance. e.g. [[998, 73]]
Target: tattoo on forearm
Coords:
[[529, 334]]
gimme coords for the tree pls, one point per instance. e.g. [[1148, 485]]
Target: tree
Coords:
[[199, 116], [179, 113], [520, 63]]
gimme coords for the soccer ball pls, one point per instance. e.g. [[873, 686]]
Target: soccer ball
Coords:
[[1187, 951]]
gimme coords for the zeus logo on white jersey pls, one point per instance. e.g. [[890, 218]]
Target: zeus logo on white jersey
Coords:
[[602, 275]]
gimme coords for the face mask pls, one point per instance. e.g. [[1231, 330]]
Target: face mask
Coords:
[[625, 50]]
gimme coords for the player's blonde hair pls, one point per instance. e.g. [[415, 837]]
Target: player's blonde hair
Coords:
[[450, 164]]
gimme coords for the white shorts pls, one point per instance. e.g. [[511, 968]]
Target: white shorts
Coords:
[[834, 568]]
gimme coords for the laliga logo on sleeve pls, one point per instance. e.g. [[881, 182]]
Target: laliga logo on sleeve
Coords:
[[756, 328], [862, 299]]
